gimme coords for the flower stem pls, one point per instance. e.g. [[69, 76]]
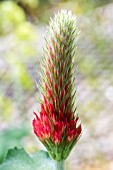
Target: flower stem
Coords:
[[60, 165]]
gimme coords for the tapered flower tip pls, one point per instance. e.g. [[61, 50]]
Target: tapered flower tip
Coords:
[[56, 125]]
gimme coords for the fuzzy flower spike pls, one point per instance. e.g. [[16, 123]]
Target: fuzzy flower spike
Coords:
[[57, 125]]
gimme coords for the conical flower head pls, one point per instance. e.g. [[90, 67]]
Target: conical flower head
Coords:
[[57, 124]]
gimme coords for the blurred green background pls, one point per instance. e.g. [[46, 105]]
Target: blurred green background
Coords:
[[22, 27]]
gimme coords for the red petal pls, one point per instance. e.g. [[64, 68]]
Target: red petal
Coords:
[[56, 88], [50, 93], [79, 130], [61, 116], [60, 81], [36, 115]]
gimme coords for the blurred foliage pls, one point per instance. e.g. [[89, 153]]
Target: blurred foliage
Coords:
[[6, 111], [24, 31], [11, 138], [11, 15]]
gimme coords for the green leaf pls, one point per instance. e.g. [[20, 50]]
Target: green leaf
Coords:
[[18, 159], [10, 138]]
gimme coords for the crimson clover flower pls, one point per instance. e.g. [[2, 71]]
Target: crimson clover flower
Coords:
[[57, 125]]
